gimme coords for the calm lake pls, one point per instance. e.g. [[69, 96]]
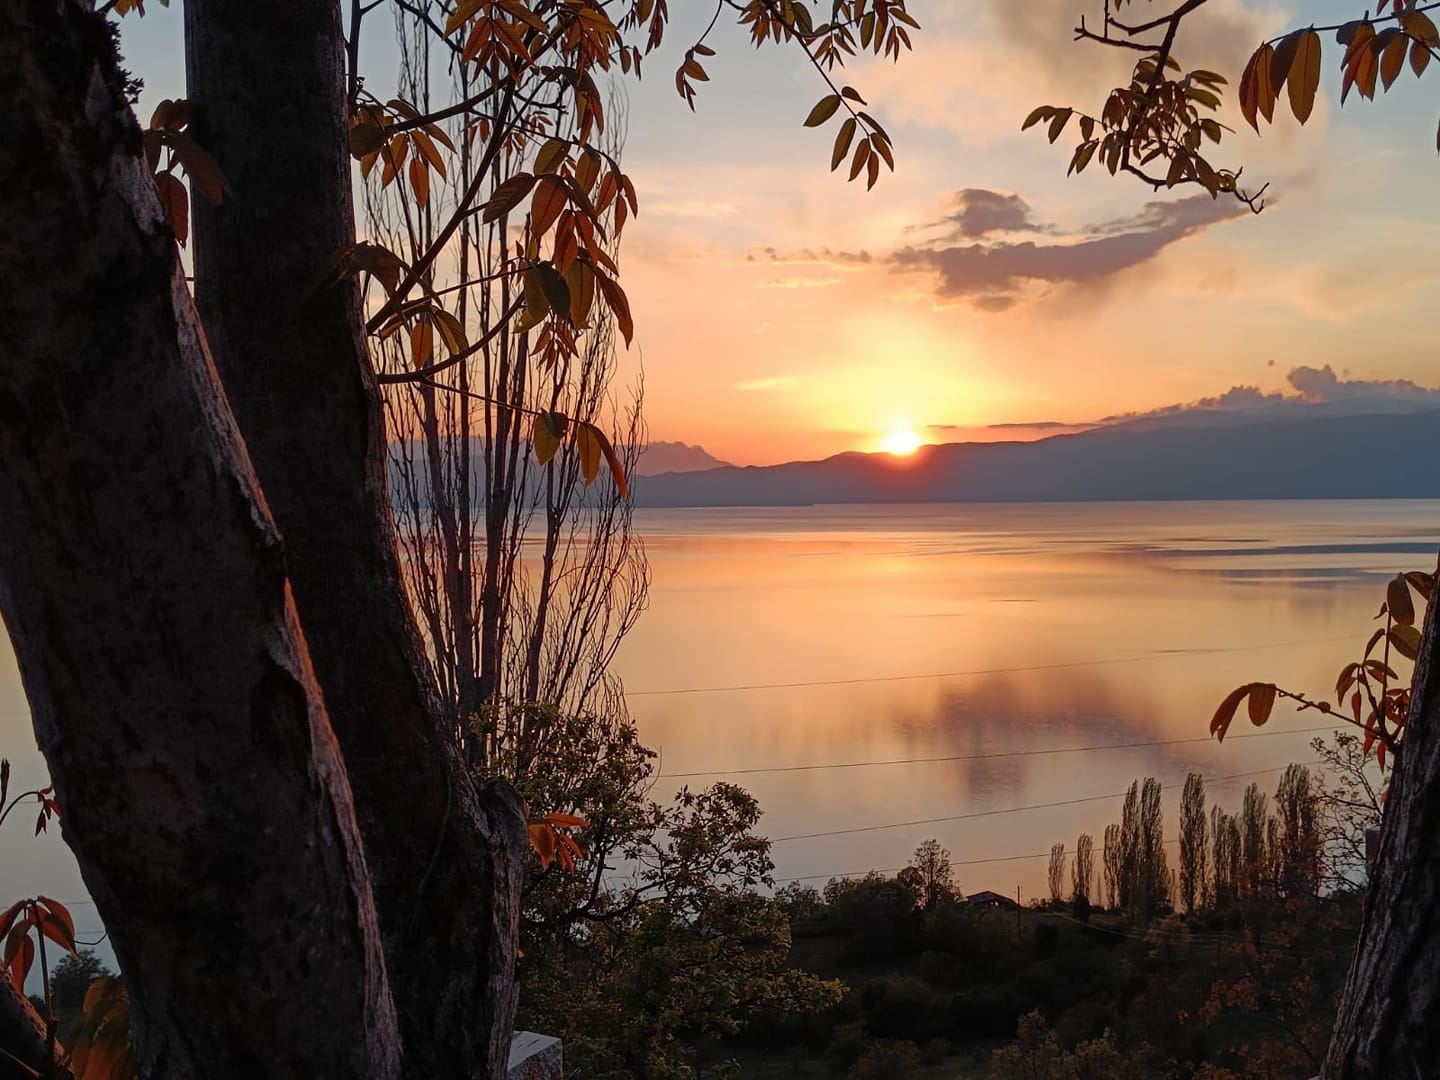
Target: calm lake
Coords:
[[992, 676], [786, 649]]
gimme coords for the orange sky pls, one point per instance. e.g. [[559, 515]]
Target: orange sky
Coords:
[[782, 313], [787, 314]]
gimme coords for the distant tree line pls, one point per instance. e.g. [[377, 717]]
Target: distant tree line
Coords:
[[1272, 849]]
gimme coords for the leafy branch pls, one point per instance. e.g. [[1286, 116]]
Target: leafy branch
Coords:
[[1378, 702]]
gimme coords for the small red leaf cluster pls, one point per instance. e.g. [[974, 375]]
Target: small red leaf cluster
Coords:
[[167, 136], [550, 838], [42, 914]]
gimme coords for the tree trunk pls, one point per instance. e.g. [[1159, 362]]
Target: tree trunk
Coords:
[[144, 588], [1388, 1026], [26, 1050], [268, 83]]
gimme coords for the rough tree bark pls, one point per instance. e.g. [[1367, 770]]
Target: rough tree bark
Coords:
[[1388, 1027], [142, 581], [268, 82], [22, 1037]]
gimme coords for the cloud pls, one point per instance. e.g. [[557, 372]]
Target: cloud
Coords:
[[979, 68], [1323, 385], [823, 256], [691, 209], [767, 384], [978, 212], [1040, 34], [1017, 432], [1310, 393], [1041, 425], [797, 283], [995, 277], [1314, 392]]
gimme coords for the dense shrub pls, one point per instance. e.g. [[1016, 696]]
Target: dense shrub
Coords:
[[889, 1059]]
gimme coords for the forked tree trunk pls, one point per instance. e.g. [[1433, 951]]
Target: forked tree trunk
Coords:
[[143, 584], [268, 83], [1388, 1027]]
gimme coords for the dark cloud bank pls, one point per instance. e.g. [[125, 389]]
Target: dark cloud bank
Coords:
[[981, 258]]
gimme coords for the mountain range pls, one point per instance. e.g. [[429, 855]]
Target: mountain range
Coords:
[[1371, 455]]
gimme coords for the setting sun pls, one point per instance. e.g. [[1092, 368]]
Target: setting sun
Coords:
[[901, 443]]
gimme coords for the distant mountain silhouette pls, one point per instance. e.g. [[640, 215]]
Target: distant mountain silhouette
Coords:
[[675, 457], [1339, 457]]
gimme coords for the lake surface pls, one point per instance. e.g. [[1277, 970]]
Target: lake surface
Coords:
[[994, 636], [1033, 656]]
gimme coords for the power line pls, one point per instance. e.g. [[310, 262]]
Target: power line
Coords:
[[1069, 855], [981, 757], [1007, 810], [1166, 655]]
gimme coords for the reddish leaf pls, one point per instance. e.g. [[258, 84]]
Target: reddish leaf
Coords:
[[203, 170], [1257, 91], [175, 201], [7, 920], [542, 839], [1406, 641], [1397, 599], [550, 198], [619, 304], [1422, 583], [545, 434], [60, 911], [1262, 701], [589, 453], [1304, 76], [507, 196], [1220, 722], [823, 110], [366, 138], [57, 931], [20, 961]]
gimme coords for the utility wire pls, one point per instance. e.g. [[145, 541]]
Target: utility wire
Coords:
[[1006, 810], [953, 862], [1167, 655], [981, 757]]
